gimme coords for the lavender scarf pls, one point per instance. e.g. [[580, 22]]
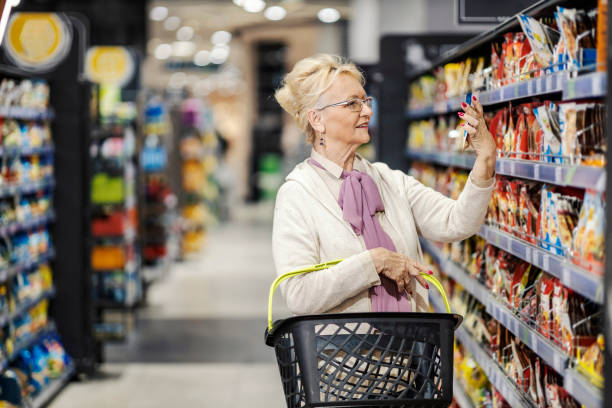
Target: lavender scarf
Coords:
[[360, 200]]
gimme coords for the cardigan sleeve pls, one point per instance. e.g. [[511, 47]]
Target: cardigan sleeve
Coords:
[[295, 245], [440, 218]]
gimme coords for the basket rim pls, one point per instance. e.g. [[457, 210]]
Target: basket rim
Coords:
[[271, 335]]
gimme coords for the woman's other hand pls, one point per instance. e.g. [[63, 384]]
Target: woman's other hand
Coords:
[[399, 268], [480, 139]]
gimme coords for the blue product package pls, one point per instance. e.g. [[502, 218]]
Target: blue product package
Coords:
[[468, 100]]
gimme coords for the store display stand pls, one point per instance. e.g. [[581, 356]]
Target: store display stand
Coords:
[[556, 86]]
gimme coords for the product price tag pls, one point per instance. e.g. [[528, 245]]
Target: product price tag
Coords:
[[553, 83], [559, 175], [536, 171], [512, 168], [566, 276], [534, 342], [533, 87], [523, 90]]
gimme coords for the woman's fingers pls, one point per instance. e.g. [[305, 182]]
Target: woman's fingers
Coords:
[[477, 105], [474, 121], [469, 128]]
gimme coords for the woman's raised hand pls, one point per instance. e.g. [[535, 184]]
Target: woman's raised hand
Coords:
[[478, 134], [481, 140], [398, 267]]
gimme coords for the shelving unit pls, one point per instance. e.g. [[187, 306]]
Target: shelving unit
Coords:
[[592, 85], [493, 371], [114, 242], [42, 399], [585, 280], [549, 352], [571, 176]]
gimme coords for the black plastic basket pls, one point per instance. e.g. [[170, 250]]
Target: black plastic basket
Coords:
[[365, 359]]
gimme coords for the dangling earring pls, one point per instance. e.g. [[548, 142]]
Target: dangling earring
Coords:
[[321, 143]]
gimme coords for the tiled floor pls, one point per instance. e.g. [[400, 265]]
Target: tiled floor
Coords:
[[200, 343]]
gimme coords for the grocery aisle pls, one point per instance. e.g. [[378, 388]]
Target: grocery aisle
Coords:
[[200, 343]]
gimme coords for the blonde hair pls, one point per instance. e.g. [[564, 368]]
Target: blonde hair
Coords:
[[308, 80]]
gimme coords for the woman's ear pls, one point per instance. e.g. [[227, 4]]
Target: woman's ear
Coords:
[[315, 120]]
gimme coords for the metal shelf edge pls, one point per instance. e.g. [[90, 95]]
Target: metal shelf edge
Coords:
[[494, 373], [573, 176], [54, 387], [581, 389], [581, 281]]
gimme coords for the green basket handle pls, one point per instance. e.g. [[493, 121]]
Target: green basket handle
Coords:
[[431, 279]]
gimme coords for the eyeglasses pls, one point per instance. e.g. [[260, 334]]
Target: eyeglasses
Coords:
[[355, 104]]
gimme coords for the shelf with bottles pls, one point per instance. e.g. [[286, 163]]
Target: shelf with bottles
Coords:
[[25, 99], [538, 52], [541, 224]]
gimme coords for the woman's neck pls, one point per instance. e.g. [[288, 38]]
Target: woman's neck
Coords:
[[343, 156]]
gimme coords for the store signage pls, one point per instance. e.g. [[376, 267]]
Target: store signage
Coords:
[[488, 12], [109, 65], [37, 42]]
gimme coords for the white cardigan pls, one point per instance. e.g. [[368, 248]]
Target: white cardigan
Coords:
[[309, 229]]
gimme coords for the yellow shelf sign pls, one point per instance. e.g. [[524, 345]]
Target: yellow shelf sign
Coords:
[[109, 65], [37, 41]]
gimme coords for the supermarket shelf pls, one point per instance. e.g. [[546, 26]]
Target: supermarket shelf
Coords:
[[55, 386], [581, 281], [36, 222], [12, 270], [25, 151], [462, 160], [26, 305], [581, 389], [494, 373], [549, 352], [573, 176], [29, 342], [26, 188], [592, 85], [460, 395], [485, 39], [18, 112]]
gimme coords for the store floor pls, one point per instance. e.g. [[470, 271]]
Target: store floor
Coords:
[[200, 342]]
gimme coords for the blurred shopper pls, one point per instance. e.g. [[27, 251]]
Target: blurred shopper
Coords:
[[337, 205]]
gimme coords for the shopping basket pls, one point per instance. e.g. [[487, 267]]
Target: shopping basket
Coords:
[[364, 359]]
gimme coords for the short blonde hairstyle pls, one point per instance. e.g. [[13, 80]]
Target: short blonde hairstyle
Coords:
[[308, 80]]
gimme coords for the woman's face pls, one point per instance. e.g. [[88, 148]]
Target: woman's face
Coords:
[[341, 124]]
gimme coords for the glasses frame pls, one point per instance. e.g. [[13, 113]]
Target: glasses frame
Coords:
[[366, 101]]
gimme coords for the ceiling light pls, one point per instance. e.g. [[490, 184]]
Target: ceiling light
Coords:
[[152, 45], [163, 51], [172, 23], [185, 33], [328, 15], [219, 54], [202, 58], [220, 37], [158, 13], [275, 13], [239, 3], [183, 48], [254, 6]]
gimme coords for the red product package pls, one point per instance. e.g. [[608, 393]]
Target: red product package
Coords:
[[497, 127], [545, 315], [521, 141]]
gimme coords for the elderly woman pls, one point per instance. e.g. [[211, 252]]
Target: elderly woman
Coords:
[[337, 205]]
